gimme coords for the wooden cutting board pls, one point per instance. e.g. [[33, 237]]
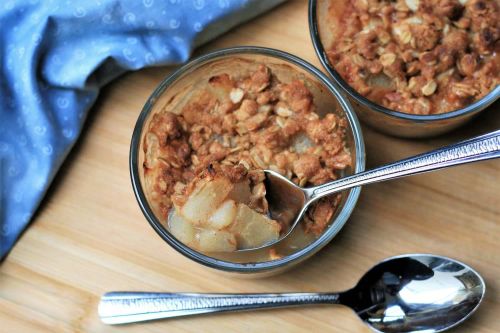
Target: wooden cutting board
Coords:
[[90, 237]]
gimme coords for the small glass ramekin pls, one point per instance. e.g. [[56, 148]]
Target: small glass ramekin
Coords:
[[327, 99], [384, 119]]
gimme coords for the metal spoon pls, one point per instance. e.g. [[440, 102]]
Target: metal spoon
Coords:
[[410, 293], [289, 202]]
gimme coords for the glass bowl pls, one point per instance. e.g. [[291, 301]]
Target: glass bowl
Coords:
[[384, 119], [240, 60]]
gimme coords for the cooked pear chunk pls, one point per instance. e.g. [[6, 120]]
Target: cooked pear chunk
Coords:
[[205, 199], [253, 229], [181, 229], [223, 216], [241, 192], [215, 241]]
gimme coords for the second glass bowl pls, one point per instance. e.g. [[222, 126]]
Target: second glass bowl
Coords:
[[384, 119]]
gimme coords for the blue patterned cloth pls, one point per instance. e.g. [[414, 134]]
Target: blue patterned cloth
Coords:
[[55, 55]]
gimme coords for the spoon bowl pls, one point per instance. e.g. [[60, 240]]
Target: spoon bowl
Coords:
[[416, 293]]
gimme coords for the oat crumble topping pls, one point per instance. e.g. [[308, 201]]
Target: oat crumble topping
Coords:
[[417, 56], [236, 126]]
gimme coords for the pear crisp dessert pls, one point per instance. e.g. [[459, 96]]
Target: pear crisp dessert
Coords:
[[203, 164], [417, 56]]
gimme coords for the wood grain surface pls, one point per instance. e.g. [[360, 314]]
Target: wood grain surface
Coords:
[[90, 237]]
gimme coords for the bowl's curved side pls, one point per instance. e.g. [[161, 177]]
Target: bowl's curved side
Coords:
[[257, 268], [390, 121]]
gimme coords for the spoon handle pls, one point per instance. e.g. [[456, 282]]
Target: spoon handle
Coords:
[[477, 149], [129, 307]]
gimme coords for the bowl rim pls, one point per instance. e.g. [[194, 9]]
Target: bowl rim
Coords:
[[478, 105], [253, 267]]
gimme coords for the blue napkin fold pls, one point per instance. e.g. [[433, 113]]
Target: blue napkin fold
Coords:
[[55, 55]]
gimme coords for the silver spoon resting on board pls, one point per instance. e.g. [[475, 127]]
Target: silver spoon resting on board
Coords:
[[289, 202], [409, 293]]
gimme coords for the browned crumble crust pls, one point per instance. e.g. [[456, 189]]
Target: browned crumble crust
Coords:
[[238, 126], [438, 55]]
